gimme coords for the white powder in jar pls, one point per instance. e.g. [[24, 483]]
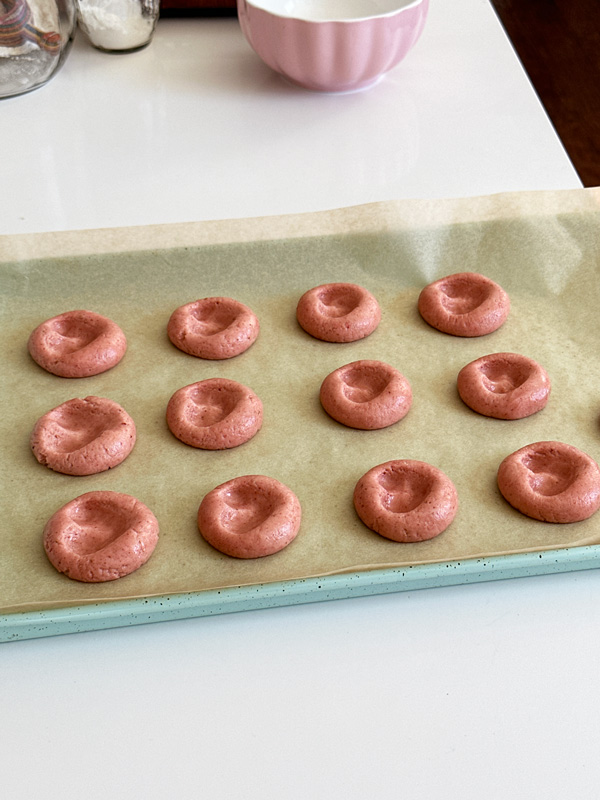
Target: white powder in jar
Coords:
[[117, 24]]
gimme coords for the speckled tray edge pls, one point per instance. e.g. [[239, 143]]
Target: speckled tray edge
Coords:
[[142, 611]]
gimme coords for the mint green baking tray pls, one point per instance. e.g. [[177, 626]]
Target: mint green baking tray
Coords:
[[542, 247], [103, 616]]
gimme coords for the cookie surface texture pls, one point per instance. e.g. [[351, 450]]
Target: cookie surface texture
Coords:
[[504, 386], [250, 517], [338, 312], [406, 500], [83, 436], [464, 304], [214, 414], [366, 394], [213, 327], [100, 536], [77, 344], [551, 482]]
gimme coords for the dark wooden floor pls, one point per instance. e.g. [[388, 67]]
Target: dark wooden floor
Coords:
[[558, 43]]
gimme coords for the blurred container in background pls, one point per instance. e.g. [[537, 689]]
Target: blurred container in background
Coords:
[[35, 38], [118, 26]]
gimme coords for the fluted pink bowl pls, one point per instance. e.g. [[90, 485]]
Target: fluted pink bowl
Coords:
[[332, 45]]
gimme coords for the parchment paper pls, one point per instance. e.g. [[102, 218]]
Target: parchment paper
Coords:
[[543, 248]]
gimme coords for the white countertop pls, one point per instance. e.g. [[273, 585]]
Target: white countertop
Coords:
[[196, 127], [486, 690]]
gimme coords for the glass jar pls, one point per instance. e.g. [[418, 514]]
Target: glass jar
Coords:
[[35, 38], [118, 26]]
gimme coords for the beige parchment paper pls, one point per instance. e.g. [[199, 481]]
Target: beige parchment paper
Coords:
[[544, 248]]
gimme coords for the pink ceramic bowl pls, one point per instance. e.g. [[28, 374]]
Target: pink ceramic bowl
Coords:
[[332, 45]]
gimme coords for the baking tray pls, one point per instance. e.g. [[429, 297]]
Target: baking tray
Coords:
[[542, 247], [142, 611]]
